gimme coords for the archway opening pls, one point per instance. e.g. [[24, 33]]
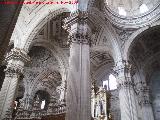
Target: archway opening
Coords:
[[43, 104], [44, 99], [111, 83], [144, 55]]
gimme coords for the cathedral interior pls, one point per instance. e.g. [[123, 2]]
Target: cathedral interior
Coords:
[[84, 60]]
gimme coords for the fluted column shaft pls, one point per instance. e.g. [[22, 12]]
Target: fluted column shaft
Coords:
[[15, 59], [126, 92], [78, 82]]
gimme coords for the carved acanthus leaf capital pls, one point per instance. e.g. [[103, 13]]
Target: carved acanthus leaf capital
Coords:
[[122, 71], [17, 54], [14, 70], [125, 85], [16, 60], [79, 38], [80, 17], [122, 67], [78, 28]]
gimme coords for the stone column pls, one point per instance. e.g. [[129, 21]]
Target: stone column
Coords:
[[78, 82], [16, 59], [145, 103], [126, 91]]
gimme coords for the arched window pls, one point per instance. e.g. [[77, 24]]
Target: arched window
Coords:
[[122, 11], [111, 84], [43, 104], [143, 8], [44, 99]]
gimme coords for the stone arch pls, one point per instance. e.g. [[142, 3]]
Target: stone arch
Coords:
[[40, 24], [43, 94], [23, 35], [61, 58], [101, 65], [132, 38], [58, 53], [97, 18], [39, 78], [40, 89]]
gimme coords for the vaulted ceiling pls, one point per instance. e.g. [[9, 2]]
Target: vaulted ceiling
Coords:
[[145, 51], [132, 7], [101, 66]]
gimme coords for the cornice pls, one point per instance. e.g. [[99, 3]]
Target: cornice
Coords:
[[75, 17], [17, 54], [133, 22], [80, 33]]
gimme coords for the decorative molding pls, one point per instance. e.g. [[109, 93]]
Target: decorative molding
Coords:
[[78, 16], [13, 70], [122, 67], [123, 71], [18, 54], [81, 32], [133, 22], [125, 85], [123, 35], [40, 24], [14, 66], [143, 92], [80, 38]]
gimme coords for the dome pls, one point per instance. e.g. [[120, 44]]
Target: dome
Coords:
[[131, 7]]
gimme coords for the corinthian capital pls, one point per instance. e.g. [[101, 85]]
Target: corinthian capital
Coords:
[[78, 28], [16, 60], [80, 17], [122, 67], [17, 54], [123, 73]]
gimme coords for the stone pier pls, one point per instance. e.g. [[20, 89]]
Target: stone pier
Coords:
[[78, 82], [13, 73]]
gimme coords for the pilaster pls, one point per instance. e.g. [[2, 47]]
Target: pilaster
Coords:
[[13, 73], [78, 83], [145, 102], [126, 91]]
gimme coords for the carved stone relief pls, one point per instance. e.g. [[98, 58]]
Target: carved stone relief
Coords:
[[123, 35], [35, 78]]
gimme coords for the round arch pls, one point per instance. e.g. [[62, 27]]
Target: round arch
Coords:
[[24, 35], [97, 18], [56, 51], [25, 39], [40, 24], [133, 37], [49, 71], [39, 78]]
